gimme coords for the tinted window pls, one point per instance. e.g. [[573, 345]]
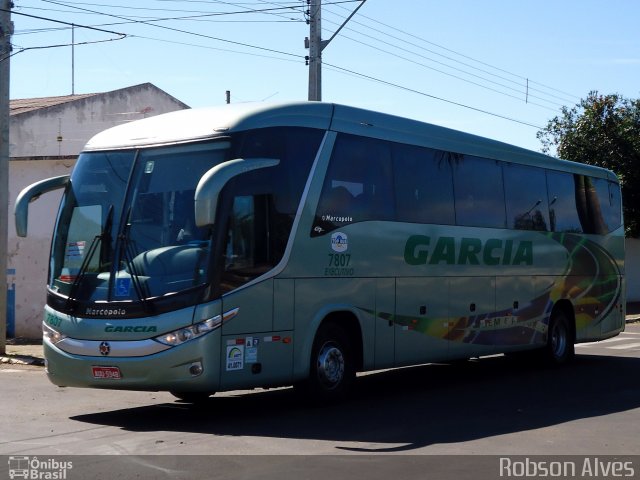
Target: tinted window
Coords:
[[262, 204], [526, 197], [607, 212], [479, 192], [614, 216], [423, 185], [358, 184], [563, 211]]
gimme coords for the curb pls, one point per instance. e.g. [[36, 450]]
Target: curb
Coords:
[[21, 360]]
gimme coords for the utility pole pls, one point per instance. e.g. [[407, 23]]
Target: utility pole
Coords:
[[315, 50], [6, 30], [316, 45]]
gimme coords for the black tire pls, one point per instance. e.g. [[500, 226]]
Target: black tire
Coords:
[[560, 339], [192, 397], [332, 370]]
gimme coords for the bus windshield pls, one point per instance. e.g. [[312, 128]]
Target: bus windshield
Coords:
[[126, 227]]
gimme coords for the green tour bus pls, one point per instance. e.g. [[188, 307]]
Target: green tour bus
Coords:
[[264, 245]]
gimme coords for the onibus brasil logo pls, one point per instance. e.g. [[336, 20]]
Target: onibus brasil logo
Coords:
[[35, 469]]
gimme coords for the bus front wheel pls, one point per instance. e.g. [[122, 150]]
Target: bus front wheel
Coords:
[[332, 370]]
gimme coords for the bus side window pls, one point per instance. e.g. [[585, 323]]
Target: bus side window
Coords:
[[479, 192], [358, 185], [608, 194], [526, 197], [423, 186], [614, 216], [246, 254], [563, 210]]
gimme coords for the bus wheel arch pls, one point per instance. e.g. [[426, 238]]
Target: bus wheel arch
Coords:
[[336, 355], [561, 334]]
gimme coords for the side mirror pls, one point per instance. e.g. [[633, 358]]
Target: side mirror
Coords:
[[31, 193], [212, 182]]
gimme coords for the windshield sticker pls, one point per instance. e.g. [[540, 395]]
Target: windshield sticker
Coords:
[[235, 357], [148, 167], [123, 287], [75, 249], [339, 242]]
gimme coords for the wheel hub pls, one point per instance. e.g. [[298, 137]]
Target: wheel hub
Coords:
[[330, 365], [558, 340]]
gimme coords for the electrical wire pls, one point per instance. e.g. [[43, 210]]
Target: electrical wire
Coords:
[[520, 77], [288, 56], [164, 27], [395, 55], [424, 94]]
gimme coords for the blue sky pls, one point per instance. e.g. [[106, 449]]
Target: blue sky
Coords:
[[404, 52]]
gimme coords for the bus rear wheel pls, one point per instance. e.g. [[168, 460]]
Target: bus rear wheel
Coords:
[[332, 371], [560, 348], [192, 397]]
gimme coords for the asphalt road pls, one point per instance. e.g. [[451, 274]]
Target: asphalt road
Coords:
[[491, 406]]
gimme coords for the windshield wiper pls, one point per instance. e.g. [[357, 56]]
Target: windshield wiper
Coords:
[[98, 240], [127, 254]]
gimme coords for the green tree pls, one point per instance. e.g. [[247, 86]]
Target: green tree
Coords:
[[602, 130]]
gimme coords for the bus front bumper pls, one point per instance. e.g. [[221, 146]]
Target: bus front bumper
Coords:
[[193, 366]]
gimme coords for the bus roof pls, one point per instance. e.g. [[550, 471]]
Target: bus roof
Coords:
[[191, 125]]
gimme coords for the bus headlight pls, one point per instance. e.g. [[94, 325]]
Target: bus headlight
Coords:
[[53, 336], [189, 333]]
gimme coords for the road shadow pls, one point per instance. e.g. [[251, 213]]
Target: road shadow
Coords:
[[411, 407]]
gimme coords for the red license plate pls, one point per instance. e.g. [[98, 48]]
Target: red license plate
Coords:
[[106, 373]]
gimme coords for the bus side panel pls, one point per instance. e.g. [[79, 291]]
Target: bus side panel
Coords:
[[283, 303], [517, 322], [614, 322], [422, 320], [252, 353], [472, 312], [384, 324], [255, 309], [256, 360]]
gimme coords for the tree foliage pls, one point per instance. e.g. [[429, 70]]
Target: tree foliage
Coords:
[[602, 130]]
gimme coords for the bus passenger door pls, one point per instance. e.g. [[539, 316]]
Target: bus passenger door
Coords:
[[250, 356], [421, 320]]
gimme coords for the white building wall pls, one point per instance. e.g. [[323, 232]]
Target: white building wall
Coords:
[[632, 270], [28, 258]]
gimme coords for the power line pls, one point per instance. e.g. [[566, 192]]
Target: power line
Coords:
[[164, 27], [480, 62], [88, 27], [24, 49], [395, 55], [208, 47], [424, 94], [522, 89], [163, 19], [286, 54]]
